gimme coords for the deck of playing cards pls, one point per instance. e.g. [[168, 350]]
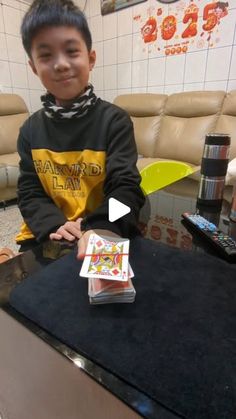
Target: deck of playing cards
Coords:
[[104, 291], [106, 265]]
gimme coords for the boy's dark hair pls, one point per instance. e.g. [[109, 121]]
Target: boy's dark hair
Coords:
[[44, 13]]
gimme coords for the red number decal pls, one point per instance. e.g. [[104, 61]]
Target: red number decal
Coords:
[[168, 27], [186, 242], [155, 232], [149, 30], [210, 16], [172, 239], [143, 228], [191, 14]]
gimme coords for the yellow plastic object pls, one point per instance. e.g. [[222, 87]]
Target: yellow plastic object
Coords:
[[162, 173]]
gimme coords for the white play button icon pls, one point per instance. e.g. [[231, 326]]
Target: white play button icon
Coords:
[[116, 209]]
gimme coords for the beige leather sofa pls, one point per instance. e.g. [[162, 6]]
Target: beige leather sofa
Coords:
[[13, 112], [166, 127], [174, 127]]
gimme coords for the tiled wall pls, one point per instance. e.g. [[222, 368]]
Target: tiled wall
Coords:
[[15, 74], [124, 62]]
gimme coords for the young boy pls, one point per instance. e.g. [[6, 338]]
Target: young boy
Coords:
[[78, 151]]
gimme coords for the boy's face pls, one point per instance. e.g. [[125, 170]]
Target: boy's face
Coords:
[[61, 60]]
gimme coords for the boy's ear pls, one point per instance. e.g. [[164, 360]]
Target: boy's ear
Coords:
[[92, 59], [31, 63]]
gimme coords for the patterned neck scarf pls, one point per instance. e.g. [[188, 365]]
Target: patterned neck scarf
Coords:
[[78, 109]]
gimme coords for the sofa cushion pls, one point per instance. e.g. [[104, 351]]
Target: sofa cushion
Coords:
[[13, 112], [9, 173], [147, 128], [8, 176], [145, 110], [6, 194], [10, 159], [187, 118], [194, 104], [11, 104], [142, 104], [227, 121], [9, 130]]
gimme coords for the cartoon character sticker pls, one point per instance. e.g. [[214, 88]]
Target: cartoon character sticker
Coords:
[[212, 13]]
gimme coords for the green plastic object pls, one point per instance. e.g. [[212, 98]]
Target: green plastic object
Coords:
[[162, 173]]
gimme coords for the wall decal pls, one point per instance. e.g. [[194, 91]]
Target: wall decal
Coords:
[[182, 26]]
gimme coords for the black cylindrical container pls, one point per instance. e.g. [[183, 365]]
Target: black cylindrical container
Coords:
[[213, 169]]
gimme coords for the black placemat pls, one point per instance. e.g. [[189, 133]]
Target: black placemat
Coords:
[[176, 343]]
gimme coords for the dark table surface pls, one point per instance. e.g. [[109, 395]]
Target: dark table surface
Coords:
[[160, 220]]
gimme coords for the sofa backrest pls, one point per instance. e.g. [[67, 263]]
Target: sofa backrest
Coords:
[[227, 121], [187, 118], [13, 112], [145, 111], [175, 126]]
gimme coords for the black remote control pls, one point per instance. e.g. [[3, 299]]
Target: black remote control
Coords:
[[224, 243]]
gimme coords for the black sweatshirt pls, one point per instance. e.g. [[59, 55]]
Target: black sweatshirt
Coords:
[[70, 168]]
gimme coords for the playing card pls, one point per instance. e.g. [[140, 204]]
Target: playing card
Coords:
[[131, 272], [98, 286], [103, 292], [106, 258]]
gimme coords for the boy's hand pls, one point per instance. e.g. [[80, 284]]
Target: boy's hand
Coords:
[[83, 241], [70, 231]]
